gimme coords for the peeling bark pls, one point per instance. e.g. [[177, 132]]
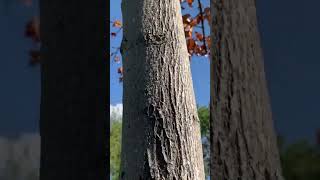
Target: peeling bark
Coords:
[[161, 132], [243, 140]]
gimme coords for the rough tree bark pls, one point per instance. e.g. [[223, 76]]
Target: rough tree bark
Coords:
[[73, 123], [243, 140], [161, 131]]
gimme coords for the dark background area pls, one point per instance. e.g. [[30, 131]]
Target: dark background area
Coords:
[[19, 83], [290, 38]]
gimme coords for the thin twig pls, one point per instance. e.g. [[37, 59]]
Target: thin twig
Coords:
[[202, 24]]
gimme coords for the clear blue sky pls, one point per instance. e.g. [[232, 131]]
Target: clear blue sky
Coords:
[[290, 39]]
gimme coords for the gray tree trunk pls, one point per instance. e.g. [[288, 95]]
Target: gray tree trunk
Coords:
[[161, 132], [73, 123], [243, 140]]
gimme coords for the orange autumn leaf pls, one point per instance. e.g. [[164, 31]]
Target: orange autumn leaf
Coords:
[[187, 27], [186, 18], [117, 23], [203, 50], [194, 22], [208, 41], [199, 18], [208, 18], [188, 34], [207, 11], [199, 36], [207, 14], [188, 31], [120, 70], [190, 2], [198, 50], [190, 44]]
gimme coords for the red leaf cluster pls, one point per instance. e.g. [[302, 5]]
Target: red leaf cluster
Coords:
[[188, 1], [120, 71], [197, 44], [117, 24], [113, 34], [32, 30], [207, 14]]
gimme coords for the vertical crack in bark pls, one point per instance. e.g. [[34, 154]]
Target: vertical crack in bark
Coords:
[[160, 159], [240, 172], [146, 169], [226, 170], [230, 85], [242, 128], [267, 175]]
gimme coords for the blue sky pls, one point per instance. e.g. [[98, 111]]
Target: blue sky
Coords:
[[199, 65]]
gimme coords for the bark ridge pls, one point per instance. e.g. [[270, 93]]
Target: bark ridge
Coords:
[[243, 140]]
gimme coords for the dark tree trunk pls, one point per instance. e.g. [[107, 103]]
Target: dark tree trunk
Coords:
[[161, 132], [243, 140], [73, 125]]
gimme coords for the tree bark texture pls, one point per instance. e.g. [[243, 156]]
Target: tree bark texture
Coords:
[[73, 123], [243, 140], [161, 132]]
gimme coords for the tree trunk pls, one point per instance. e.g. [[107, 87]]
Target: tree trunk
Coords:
[[161, 131], [73, 124], [243, 140]]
